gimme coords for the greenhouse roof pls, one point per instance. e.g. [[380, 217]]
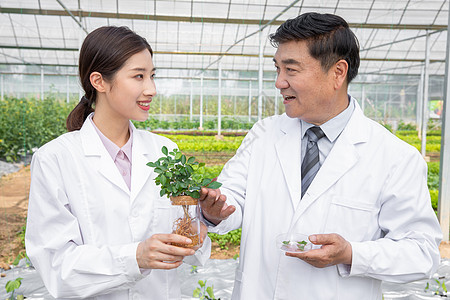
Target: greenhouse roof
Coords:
[[195, 35]]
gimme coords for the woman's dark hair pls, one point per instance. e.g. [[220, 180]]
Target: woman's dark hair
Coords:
[[329, 39], [104, 50]]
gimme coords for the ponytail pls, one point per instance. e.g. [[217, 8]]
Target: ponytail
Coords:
[[79, 114]]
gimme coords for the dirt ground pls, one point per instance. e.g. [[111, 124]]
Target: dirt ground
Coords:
[[14, 189]]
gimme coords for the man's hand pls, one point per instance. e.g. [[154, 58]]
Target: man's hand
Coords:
[[213, 205], [157, 252], [335, 250]]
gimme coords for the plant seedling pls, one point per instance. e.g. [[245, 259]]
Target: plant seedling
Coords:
[[204, 292], [301, 245], [13, 285], [177, 177], [293, 246]]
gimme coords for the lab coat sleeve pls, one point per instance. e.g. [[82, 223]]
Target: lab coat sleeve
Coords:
[[409, 250], [234, 181], [54, 243], [201, 255]]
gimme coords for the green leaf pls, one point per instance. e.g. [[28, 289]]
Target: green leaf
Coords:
[[215, 185], [162, 192], [151, 164], [13, 284], [178, 155], [191, 160], [206, 181], [183, 159], [201, 164], [164, 150], [193, 194], [201, 283], [16, 260], [163, 179], [210, 292], [196, 293]]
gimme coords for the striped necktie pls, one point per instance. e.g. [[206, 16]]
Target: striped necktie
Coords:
[[310, 164]]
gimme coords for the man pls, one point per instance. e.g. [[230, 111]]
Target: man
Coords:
[[367, 208]]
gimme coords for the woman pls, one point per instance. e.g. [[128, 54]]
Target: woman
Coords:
[[97, 226]]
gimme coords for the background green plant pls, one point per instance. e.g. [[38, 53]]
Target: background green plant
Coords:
[[204, 292], [11, 286], [26, 124]]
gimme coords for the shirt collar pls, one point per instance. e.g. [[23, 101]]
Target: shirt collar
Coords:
[[112, 148], [333, 127]]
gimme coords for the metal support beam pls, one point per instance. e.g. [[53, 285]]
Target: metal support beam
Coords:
[[191, 96], [201, 102], [72, 15], [425, 96], [419, 104], [42, 84], [190, 19], [249, 101], [260, 74], [67, 90], [219, 102], [444, 174]]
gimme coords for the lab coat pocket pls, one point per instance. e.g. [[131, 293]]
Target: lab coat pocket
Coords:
[[163, 215], [349, 218]]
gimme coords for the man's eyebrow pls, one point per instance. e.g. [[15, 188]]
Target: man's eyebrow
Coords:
[[289, 61]]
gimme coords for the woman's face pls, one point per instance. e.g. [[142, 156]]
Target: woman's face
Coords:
[[129, 94]]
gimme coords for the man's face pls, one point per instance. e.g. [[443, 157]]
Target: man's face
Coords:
[[309, 93]]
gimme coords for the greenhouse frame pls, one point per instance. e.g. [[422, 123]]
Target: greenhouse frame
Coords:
[[217, 53]]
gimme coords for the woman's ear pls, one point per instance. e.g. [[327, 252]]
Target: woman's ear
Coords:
[[340, 73], [98, 82]]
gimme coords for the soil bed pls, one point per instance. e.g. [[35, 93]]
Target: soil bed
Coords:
[[14, 189]]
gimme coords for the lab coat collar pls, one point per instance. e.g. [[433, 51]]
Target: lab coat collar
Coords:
[[93, 149], [288, 152], [339, 161], [142, 154]]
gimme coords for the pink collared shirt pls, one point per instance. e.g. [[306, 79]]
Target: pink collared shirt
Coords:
[[120, 156]]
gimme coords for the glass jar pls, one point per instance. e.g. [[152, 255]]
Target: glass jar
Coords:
[[187, 219]]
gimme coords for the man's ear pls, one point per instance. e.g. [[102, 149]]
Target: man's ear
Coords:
[[340, 73], [98, 82]]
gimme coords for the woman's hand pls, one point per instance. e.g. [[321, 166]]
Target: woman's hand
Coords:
[[203, 233], [157, 252]]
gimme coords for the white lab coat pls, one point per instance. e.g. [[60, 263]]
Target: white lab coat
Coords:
[[371, 189], [84, 224]]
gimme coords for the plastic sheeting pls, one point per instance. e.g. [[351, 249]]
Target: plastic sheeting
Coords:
[[220, 275]]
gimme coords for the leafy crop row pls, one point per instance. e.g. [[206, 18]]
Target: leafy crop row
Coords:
[[184, 123], [206, 143]]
